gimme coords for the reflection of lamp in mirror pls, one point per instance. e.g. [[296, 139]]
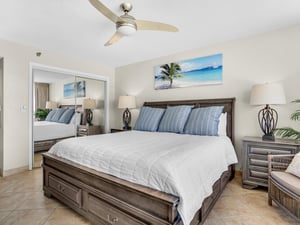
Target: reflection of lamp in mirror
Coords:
[[51, 105], [126, 102], [89, 104], [267, 94]]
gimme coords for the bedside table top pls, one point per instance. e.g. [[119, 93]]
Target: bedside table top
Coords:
[[277, 140]]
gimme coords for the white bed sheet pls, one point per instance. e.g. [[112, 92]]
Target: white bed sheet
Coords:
[[45, 130], [183, 165]]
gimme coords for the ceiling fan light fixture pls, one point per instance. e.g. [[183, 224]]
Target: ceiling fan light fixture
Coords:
[[126, 29]]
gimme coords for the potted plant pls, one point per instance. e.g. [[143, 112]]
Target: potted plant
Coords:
[[287, 132], [41, 113]]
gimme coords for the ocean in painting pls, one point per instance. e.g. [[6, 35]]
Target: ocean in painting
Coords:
[[198, 71], [74, 89]]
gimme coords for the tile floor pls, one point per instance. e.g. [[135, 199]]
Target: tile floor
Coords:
[[22, 203]]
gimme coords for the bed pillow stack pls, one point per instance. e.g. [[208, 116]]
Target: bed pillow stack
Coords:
[[206, 121], [60, 115]]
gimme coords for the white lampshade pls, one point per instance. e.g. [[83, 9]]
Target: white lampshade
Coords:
[[89, 103], [127, 102], [267, 94], [51, 105]]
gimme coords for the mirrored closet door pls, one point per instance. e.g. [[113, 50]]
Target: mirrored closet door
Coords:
[[64, 106]]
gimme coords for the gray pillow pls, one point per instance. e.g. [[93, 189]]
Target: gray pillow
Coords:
[[50, 115], [66, 116], [174, 119], [57, 115], [149, 119]]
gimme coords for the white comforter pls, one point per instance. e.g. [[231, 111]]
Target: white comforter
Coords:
[[45, 130], [183, 165]]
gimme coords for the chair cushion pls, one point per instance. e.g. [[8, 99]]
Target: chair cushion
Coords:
[[294, 167], [287, 180]]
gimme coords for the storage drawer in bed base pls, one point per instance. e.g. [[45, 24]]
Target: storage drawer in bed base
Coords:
[[108, 200]]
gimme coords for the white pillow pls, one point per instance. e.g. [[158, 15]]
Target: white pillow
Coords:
[[222, 124], [76, 119], [294, 167]]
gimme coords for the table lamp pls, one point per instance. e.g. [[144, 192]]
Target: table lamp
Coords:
[[89, 104], [127, 102], [267, 94]]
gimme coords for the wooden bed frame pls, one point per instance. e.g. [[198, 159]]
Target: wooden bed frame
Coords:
[[45, 145], [107, 200]]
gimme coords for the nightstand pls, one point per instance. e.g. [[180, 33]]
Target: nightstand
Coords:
[[114, 130], [83, 130], [255, 158]]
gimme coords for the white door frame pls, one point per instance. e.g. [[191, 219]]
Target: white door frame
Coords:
[[33, 66]]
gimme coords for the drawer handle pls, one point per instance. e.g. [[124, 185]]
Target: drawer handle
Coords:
[[112, 220]]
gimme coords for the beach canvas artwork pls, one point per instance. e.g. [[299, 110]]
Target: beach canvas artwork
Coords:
[[192, 72], [74, 89]]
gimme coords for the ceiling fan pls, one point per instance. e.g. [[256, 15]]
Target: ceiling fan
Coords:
[[126, 24]]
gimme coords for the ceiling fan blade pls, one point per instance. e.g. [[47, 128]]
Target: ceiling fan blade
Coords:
[[116, 37], [149, 25], [104, 10]]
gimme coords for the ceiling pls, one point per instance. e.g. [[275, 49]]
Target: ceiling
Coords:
[[75, 27]]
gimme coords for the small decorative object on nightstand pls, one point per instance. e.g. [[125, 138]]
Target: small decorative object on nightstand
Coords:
[[267, 94], [127, 102], [84, 130], [255, 158]]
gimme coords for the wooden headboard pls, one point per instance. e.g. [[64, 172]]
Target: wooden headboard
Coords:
[[228, 104]]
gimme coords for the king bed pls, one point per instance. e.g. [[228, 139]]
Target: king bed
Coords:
[[142, 177]]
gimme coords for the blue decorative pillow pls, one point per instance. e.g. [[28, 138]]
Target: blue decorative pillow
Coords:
[[149, 119], [174, 119], [57, 115], [50, 115], [204, 121], [66, 116]]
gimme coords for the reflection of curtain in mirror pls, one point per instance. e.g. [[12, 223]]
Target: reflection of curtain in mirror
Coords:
[[41, 95]]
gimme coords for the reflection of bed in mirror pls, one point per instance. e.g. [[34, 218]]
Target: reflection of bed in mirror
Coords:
[[47, 133]]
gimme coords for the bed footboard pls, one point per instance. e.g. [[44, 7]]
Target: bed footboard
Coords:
[[105, 199]]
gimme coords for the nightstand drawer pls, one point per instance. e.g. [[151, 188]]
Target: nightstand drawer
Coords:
[[83, 130], [255, 158], [258, 162], [267, 151]]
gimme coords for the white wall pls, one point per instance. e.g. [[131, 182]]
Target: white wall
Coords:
[[93, 89], [270, 57], [16, 93], [1, 116]]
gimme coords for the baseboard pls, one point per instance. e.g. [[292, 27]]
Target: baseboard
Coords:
[[14, 171]]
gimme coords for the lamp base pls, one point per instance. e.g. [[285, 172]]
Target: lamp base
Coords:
[[89, 117], [126, 119], [268, 137]]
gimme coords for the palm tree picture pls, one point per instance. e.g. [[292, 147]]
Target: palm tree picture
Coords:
[[287, 132], [170, 72], [191, 72]]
